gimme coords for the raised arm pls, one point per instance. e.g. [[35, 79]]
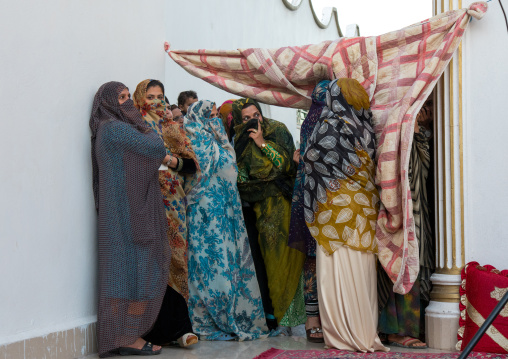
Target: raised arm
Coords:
[[120, 134]]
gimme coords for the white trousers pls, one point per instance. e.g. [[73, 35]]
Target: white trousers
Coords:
[[347, 292]]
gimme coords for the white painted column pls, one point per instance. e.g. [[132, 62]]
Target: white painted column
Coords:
[[442, 314]]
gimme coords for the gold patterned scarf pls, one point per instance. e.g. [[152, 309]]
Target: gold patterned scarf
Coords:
[[174, 137]]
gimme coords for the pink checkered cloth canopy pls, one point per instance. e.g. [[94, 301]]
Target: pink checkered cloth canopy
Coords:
[[398, 69]]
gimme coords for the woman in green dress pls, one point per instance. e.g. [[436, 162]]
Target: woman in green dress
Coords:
[[266, 173]]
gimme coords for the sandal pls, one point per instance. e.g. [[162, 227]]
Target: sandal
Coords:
[[187, 340], [314, 330], [284, 331], [146, 350], [409, 344]]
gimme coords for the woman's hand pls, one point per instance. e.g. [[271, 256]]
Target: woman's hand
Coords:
[[170, 161], [296, 156], [257, 135]]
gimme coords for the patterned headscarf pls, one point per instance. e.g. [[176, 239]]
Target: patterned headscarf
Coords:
[[237, 110], [106, 106], [341, 201], [210, 143], [299, 235], [226, 114], [175, 139], [242, 138], [247, 153]]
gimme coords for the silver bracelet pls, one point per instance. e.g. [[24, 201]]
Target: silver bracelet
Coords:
[[168, 163]]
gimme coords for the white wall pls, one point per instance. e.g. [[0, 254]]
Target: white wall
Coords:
[[54, 56], [486, 79], [233, 24]]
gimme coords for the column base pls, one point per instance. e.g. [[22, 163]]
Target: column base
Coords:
[[442, 315], [441, 325]]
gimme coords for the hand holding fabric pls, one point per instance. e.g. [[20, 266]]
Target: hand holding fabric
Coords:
[[296, 156]]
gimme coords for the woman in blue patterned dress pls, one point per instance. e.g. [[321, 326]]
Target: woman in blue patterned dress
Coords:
[[224, 297]]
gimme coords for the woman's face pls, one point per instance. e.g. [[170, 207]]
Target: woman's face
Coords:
[[177, 116], [251, 112], [214, 112], [124, 96], [425, 117], [167, 113], [154, 93]]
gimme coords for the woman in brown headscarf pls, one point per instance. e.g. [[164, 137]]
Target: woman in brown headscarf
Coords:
[[149, 99], [226, 115]]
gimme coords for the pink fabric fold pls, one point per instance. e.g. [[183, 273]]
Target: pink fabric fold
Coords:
[[398, 70]]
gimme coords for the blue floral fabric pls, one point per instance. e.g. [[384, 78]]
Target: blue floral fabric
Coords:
[[224, 296]]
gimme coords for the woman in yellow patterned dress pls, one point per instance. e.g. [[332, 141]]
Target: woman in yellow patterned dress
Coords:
[[149, 99], [341, 204]]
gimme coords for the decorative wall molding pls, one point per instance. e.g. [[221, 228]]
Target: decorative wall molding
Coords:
[[289, 4], [323, 25]]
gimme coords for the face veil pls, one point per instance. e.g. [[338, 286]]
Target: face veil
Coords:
[[133, 251]]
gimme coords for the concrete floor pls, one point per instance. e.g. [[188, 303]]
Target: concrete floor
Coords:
[[245, 350]]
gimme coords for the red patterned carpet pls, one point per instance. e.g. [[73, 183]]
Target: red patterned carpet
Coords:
[[342, 354]]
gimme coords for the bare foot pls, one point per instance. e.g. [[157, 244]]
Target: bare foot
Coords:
[[314, 322], [140, 343], [406, 341]]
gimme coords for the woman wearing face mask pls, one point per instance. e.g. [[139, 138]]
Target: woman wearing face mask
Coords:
[[225, 302], [134, 254], [149, 99], [264, 150]]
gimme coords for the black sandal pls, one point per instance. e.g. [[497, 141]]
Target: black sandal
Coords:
[[146, 350], [314, 330]]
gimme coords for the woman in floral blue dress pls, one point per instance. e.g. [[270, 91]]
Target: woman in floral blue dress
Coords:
[[224, 297]]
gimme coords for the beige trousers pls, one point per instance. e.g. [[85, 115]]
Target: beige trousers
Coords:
[[347, 293]]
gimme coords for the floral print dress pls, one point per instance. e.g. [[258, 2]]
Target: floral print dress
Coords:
[[225, 301]]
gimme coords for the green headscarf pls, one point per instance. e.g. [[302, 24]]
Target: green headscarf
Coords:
[[265, 179]]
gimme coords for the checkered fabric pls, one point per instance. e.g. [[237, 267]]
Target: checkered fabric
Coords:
[[398, 70]]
